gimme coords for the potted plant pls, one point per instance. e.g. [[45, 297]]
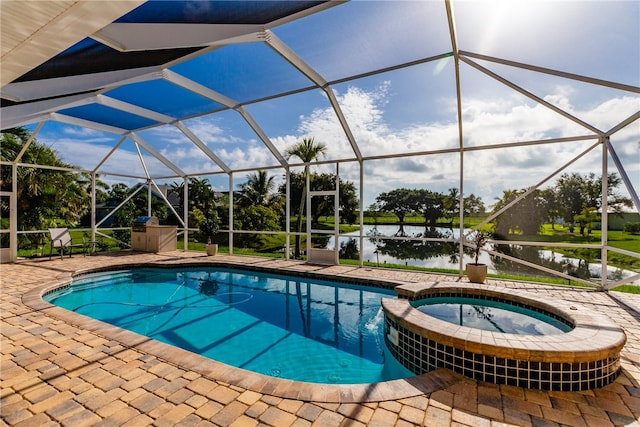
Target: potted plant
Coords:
[[477, 272], [208, 228]]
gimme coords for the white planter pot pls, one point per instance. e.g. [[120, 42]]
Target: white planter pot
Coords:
[[212, 249], [477, 273]]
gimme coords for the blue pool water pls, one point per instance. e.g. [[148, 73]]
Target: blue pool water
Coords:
[[289, 327], [491, 315]]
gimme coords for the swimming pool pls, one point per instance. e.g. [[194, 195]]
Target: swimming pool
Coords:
[[283, 326]]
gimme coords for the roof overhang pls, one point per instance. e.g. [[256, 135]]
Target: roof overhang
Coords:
[[35, 31]]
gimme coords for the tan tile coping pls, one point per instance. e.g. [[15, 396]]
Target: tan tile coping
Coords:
[[330, 393]]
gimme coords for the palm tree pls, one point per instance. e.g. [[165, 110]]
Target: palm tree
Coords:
[[307, 150], [177, 188], [201, 195], [258, 190]]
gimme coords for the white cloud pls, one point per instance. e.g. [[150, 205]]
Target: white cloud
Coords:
[[486, 122], [85, 133], [210, 132], [247, 156]]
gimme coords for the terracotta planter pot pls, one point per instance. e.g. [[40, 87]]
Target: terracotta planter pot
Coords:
[[477, 273], [212, 249]]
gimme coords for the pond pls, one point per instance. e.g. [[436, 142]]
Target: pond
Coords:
[[445, 255]]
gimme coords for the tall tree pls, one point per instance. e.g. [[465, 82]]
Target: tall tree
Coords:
[[585, 220], [473, 205], [525, 217], [46, 197], [398, 202], [348, 202], [201, 197], [258, 190], [451, 204], [569, 196], [575, 192], [429, 203], [177, 188], [307, 151], [553, 211]]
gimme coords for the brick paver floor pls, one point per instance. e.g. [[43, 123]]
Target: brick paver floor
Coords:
[[59, 368]]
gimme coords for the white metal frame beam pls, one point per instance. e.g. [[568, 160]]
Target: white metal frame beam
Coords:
[[201, 90], [63, 118], [461, 148], [290, 56], [15, 115], [202, 146], [552, 72], [61, 86], [133, 109], [157, 155], [130, 37]]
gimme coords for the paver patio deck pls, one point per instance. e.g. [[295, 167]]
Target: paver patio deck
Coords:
[[60, 368]]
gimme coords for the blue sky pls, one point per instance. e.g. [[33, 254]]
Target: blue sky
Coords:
[[408, 110]]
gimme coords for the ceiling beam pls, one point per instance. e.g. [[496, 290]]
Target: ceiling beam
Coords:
[[129, 37], [134, 109], [15, 115], [60, 86]]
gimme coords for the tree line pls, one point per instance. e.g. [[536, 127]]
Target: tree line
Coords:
[[432, 205], [573, 199]]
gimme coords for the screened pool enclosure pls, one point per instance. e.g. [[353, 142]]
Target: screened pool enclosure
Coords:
[[479, 100]]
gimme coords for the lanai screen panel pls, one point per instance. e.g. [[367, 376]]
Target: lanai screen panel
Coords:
[[209, 62], [166, 98], [405, 111], [244, 72], [363, 36], [80, 146]]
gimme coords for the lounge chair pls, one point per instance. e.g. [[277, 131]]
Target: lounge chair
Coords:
[[61, 240]]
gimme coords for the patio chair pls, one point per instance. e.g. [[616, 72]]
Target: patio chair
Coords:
[[61, 240]]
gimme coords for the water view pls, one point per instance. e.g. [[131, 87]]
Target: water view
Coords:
[[430, 254]]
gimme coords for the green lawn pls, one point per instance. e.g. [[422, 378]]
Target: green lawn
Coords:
[[272, 245], [616, 239]]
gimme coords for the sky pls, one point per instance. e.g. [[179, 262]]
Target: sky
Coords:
[[408, 110]]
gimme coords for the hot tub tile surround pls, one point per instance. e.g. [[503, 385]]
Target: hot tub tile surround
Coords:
[[586, 357]]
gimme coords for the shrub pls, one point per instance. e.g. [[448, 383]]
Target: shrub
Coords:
[[632, 227]]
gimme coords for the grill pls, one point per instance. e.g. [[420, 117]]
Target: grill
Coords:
[[141, 223]]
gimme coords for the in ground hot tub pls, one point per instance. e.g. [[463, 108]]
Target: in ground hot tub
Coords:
[[571, 348]]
